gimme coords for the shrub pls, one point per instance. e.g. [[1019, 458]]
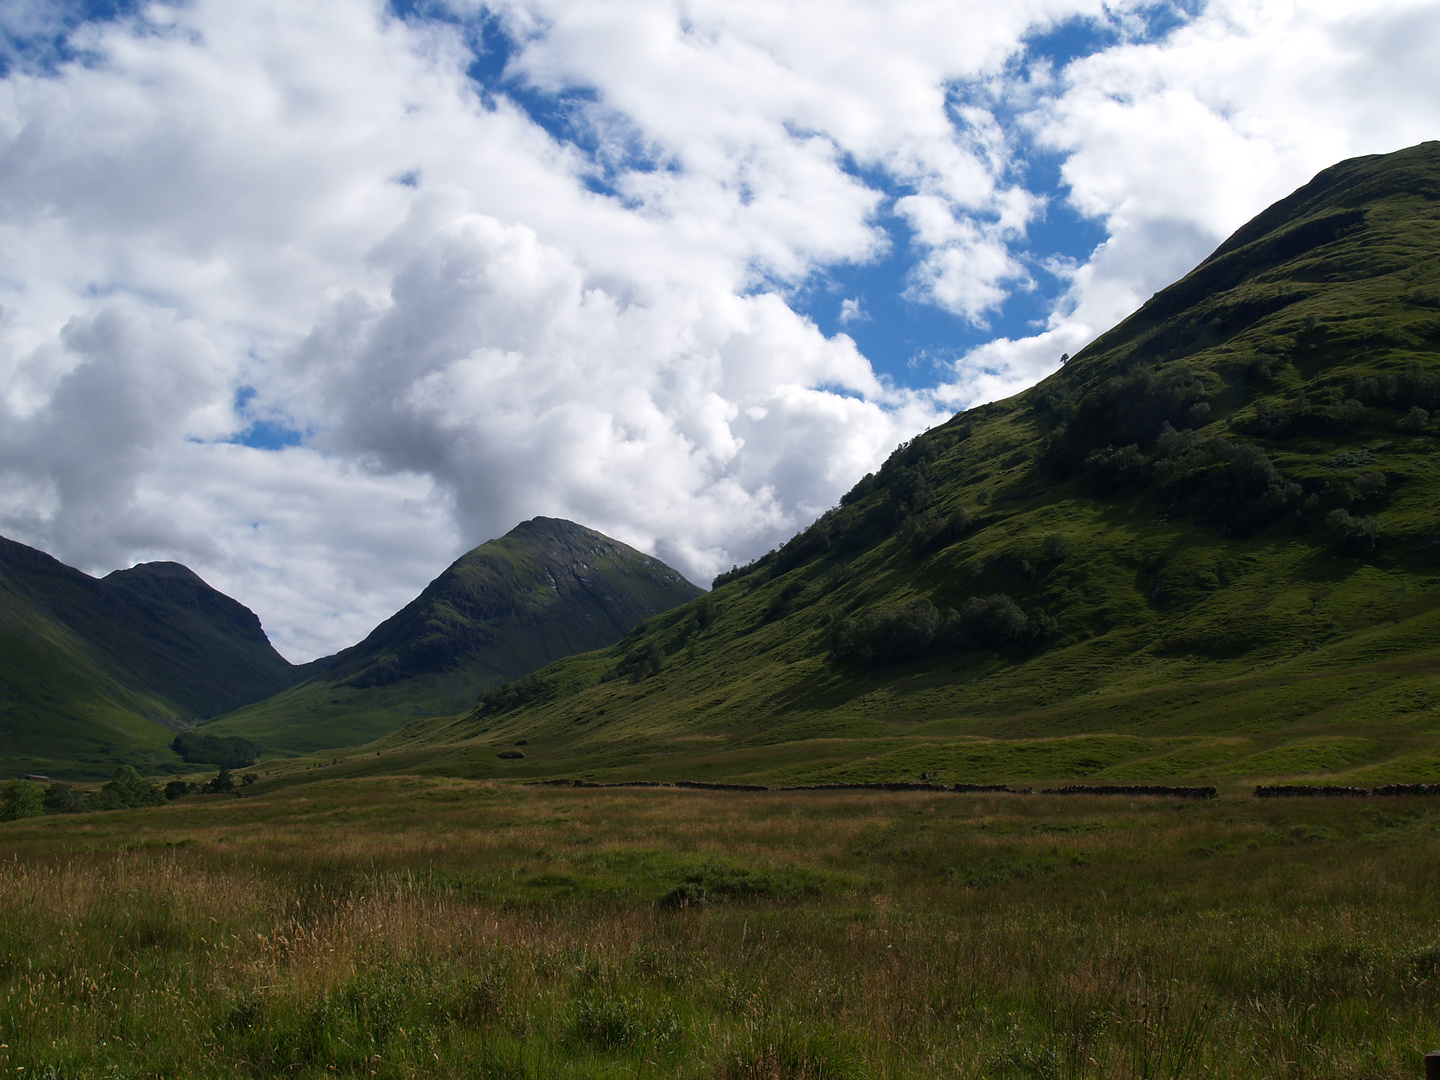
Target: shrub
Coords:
[[1368, 485], [1345, 415], [1415, 421], [61, 798], [176, 788], [887, 637], [645, 662], [990, 620], [512, 695], [1055, 547], [20, 799], [705, 612], [126, 790], [932, 531], [1229, 484], [222, 783], [1350, 535], [684, 895], [1116, 470]]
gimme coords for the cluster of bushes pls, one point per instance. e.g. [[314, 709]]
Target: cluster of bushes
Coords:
[[230, 751], [1124, 410], [1350, 534], [25, 798], [512, 695], [1221, 482], [1299, 417], [1225, 483], [1229, 484], [894, 635], [1414, 388], [641, 662], [932, 531], [1131, 435]]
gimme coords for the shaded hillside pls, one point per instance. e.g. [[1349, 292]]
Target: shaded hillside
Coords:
[[97, 672], [1208, 546], [547, 589]]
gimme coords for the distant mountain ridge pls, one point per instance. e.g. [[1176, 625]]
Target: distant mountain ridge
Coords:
[[546, 589], [97, 672], [163, 628], [566, 584]]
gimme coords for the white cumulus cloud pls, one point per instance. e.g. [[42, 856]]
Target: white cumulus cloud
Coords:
[[310, 216]]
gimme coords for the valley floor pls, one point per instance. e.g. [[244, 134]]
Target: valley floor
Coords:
[[395, 927]]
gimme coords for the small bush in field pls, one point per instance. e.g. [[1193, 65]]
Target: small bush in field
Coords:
[[1055, 547], [1415, 421], [1350, 535], [61, 798], [20, 799]]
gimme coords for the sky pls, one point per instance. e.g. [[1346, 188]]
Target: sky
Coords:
[[316, 297]]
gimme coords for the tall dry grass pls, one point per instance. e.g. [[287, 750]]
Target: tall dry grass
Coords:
[[424, 929]]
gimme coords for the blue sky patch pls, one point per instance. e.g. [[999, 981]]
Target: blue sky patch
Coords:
[[264, 432]]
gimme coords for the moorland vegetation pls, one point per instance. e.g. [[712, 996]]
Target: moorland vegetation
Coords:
[[405, 927]]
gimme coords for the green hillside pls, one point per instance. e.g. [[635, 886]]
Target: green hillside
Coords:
[[547, 589], [94, 673], [1207, 547]]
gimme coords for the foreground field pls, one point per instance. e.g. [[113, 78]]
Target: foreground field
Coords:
[[400, 927]]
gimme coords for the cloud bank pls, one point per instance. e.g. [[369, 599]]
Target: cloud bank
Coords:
[[316, 297]]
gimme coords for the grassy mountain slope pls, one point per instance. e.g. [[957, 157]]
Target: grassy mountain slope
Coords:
[[1207, 547], [547, 589], [98, 672]]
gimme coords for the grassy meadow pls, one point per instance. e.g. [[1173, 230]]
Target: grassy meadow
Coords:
[[403, 926]]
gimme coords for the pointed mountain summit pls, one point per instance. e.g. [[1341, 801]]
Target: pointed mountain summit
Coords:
[[95, 672], [1206, 548], [546, 589]]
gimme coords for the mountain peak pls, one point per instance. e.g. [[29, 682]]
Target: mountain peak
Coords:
[[546, 589], [160, 569]]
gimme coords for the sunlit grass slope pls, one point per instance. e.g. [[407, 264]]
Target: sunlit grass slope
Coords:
[[1214, 533], [547, 589], [62, 711]]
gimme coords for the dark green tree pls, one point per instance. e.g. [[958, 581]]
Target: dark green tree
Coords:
[[20, 799]]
